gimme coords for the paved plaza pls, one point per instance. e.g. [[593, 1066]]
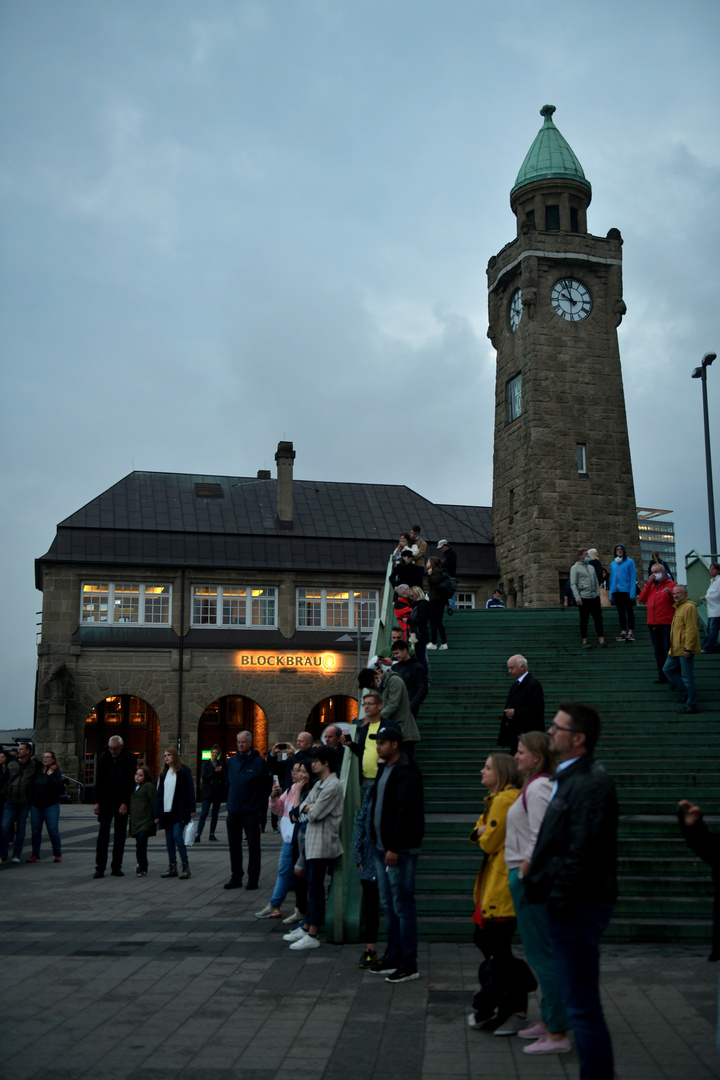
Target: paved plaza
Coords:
[[128, 977]]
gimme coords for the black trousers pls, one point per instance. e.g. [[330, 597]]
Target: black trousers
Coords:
[[501, 977], [588, 608], [237, 825], [660, 637], [106, 818]]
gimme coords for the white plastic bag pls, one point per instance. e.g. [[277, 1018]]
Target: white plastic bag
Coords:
[[189, 832]]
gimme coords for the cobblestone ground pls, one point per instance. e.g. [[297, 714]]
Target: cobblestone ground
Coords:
[[108, 979]]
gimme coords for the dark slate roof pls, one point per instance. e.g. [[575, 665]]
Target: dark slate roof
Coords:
[[157, 519]]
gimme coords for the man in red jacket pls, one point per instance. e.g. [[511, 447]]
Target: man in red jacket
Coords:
[[657, 593]]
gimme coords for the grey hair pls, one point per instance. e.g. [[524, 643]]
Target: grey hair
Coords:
[[247, 734], [116, 739]]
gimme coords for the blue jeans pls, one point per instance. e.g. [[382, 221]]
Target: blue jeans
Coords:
[[17, 813], [50, 815], [173, 839], [576, 952], [206, 804], [686, 684], [535, 933], [711, 634], [285, 875], [397, 893]]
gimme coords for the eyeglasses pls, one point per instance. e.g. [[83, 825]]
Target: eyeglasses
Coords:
[[572, 730]]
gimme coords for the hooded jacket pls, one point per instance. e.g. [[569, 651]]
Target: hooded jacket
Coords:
[[623, 576], [658, 595], [684, 633]]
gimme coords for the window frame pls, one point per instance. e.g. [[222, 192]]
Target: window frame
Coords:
[[513, 389], [321, 596], [222, 605], [136, 597]]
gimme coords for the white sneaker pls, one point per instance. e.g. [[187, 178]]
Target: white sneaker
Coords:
[[296, 935], [265, 913], [443, 647], [296, 916], [306, 942], [430, 645], [15, 859]]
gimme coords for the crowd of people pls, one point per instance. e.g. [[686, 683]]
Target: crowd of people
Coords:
[[424, 589]]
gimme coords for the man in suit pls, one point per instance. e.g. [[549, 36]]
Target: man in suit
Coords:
[[525, 705]]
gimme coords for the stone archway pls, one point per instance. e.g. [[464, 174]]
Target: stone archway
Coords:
[[337, 709], [221, 721], [130, 717]]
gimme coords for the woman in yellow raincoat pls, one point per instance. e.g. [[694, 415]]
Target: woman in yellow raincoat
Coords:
[[501, 1002]]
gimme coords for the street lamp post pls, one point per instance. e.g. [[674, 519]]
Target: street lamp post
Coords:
[[701, 373]]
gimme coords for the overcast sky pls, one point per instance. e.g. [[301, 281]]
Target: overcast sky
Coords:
[[227, 223]]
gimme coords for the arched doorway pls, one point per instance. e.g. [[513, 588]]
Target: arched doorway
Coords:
[[338, 709], [223, 719], [134, 720]]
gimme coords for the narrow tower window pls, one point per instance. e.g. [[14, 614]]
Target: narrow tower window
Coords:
[[514, 397], [574, 223], [552, 218], [581, 459]]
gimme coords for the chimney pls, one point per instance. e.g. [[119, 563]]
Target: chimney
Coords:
[[284, 458], [263, 474]]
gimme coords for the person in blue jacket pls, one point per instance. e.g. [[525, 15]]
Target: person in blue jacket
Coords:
[[623, 586]]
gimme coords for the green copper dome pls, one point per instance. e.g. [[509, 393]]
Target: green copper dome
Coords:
[[549, 157]]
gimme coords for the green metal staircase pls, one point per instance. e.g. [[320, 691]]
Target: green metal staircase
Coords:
[[655, 757]]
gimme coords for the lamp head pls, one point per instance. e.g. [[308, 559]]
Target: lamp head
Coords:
[[708, 358]]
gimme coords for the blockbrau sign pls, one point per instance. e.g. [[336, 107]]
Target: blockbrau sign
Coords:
[[304, 661]]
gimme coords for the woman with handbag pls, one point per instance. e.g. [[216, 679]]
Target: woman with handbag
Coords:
[[535, 763], [501, 1002], [174, 809]]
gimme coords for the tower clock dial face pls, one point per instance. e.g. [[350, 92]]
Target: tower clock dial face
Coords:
[[515, 309], [571, 300]]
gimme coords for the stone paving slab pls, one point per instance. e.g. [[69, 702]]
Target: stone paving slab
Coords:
[[178, 979]]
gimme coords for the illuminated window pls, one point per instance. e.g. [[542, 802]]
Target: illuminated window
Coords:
[[336, 609], [233, 606], [117, 603]]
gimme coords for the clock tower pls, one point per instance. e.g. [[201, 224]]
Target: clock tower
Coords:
[[562, 475]]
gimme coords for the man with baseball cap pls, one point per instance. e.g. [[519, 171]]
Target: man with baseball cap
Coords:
[[397, 823]]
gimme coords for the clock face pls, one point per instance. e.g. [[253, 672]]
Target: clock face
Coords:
[[515, 309], [571, 300]]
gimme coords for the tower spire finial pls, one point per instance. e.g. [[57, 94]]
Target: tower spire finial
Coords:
[[547, 111]]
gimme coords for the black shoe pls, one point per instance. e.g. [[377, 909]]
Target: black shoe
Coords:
[[213, 840], [688, 709], [233, 884], [116, 873], [660, 682], [402, 975], [383, 965], [196, 840], [251, 885], [97, 874]]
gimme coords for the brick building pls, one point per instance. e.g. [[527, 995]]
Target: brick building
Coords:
[[179, 609]]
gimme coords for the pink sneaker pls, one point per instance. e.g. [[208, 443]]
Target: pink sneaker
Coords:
[[548, 1046], [535, 1031]]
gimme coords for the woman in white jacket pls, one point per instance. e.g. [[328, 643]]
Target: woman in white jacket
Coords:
[[524, 819]]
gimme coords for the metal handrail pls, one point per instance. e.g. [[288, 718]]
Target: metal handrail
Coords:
[[342, 920], [80, 785]]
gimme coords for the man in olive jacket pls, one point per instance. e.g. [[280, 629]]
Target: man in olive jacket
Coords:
[[18, 792], [573, 872]]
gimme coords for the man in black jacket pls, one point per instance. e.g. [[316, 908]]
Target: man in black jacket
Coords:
[[114, 786], [525, 705], [573, 872], [412, 673], [397, 823]]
